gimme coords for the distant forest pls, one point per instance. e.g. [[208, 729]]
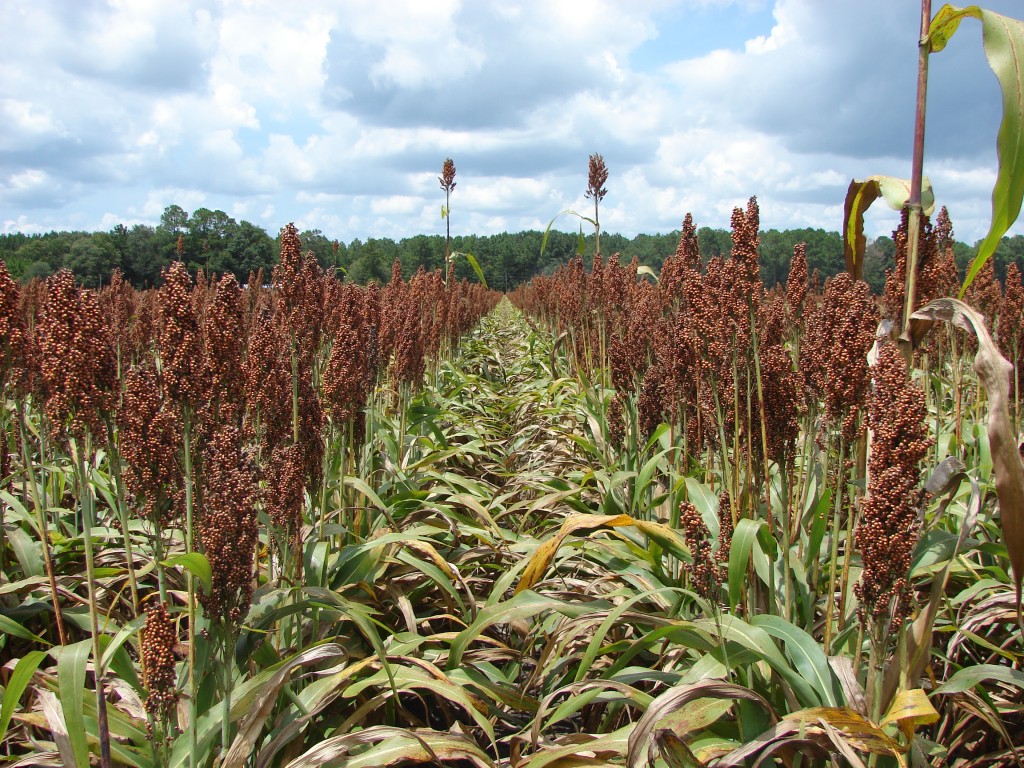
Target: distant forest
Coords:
[[215, 242]]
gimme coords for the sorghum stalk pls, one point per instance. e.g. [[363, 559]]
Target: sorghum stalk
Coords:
[[596, 177], [117, 475], [447, 179], [193, 688], [787, 589], [85, 500], [837, 510], [37, 490], [916, 173]]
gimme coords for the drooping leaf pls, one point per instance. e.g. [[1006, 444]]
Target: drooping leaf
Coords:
[[545, 553], [909, 709], [679, 699], [474, 264], [1003, 39], [254, 721], [547, 230], [859, 197], [54, 714], [520, 606], [807, 655], [391, 746], [10, 627], [993, 372]]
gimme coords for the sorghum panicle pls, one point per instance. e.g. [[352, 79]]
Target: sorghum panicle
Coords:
[[833, 355], [222, 344], [1011, 315], [117, 300], [228, 527], [179, 342], [888, 529], [447, 177], [796, 283], [597, 175], [12, 330], [284, 498], [703, 572], [150, 435], [157, 639], [616, 422], [78, 370]]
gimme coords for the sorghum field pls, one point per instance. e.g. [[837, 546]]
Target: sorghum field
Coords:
[[608, 519]]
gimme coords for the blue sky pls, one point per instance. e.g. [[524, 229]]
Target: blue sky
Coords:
[[338, 115]]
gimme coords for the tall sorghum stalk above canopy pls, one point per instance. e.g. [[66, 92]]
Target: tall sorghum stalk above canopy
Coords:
[[597, 175], [447, 181]]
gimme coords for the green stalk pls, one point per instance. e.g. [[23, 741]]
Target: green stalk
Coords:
[[834, 546], [117, 475], [85, 500], [193, 687], [860, 450], [225, 722], [787, 589], [38, 494]]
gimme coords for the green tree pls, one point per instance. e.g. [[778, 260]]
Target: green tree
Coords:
[[174, 219], [93, 259]]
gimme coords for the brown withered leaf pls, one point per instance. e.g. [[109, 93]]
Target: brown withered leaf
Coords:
[[994, 375]]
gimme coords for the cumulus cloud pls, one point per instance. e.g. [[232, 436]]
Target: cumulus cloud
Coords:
[[339, 117]]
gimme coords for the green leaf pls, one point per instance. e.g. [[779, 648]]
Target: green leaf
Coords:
[[760, 642], [260, 709], [196, 564], [522, 605], [71, 661], [747, 531], [20, 678], [968, 677], [10, 627], [807, 656], [1003, 39], [474, 264], [547, 230]]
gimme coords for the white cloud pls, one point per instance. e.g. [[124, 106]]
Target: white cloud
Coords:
[[340, 116]]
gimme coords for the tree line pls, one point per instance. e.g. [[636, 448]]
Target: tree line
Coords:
[[214, 242]]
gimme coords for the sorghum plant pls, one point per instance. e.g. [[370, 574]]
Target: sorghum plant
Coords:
[[447, 181], [597, 176], [78, 374], [888, 528], [228, 532]]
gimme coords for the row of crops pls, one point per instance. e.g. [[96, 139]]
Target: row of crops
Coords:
[[614, 518]]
